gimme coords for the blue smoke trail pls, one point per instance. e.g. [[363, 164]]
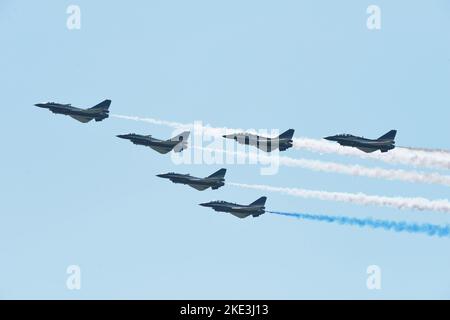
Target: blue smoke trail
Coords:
[[429, 229]]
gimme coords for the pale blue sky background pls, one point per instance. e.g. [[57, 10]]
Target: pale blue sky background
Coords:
[[72, 193]]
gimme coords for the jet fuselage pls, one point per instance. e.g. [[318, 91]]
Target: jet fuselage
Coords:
[[241, 211], [384, 143], [178, 143], [267, 144], [99, 112], [196, 183]]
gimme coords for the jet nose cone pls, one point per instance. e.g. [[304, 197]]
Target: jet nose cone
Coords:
[[122, 136], [204, 204], [330, 138], [230, 136], [40, 105], [162, 175]]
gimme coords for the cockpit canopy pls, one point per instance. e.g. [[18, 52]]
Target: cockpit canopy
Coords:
[[67, 104], [139, 135], [344, 135], [224, 202]]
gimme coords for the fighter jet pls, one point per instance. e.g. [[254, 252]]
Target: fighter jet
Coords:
[[254, 209], [178, 143], [98, 112], [383, 143], [214, 181], [282, 142]]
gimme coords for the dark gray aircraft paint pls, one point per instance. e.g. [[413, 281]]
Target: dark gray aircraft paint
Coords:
[[99, 112], [383, 143], [177, 144], [254, 209], [214, 181], [282, 142]]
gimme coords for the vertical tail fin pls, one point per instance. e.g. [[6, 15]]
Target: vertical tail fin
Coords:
[[182, 141], [287, 134], [389, 136], [218, 174], [260, 202], [102, 105], [181, 137]]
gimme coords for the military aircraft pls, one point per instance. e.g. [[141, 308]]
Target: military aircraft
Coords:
[[214, 181], [178, 143], [98, 112], [254, 209], [282, 142], [383, 143]]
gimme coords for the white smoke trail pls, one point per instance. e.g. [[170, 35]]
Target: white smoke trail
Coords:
[[175, 125], [357, 170], [435, 150], [212, 131], [354, 170], [407, 156], [421, 204]]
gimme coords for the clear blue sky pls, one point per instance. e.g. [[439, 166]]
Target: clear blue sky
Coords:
[[72, 193]]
